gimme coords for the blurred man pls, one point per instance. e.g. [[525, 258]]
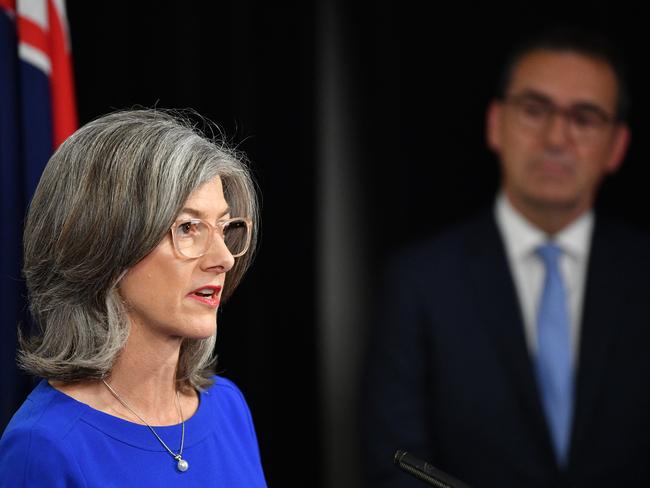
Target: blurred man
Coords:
[[512, 349]]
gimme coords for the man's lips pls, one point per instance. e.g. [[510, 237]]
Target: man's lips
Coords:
[[208, 295], [554, 168]]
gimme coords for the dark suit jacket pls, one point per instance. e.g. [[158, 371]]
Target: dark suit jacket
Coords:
[[450, 380]]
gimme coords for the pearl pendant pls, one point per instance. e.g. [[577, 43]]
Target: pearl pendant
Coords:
[[182, 465]]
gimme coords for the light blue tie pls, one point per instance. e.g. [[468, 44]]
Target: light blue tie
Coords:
[[554, 363]]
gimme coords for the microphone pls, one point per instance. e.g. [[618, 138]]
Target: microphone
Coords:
[[425, 472]]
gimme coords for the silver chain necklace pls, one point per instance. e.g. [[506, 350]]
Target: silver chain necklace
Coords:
[[181, 464]]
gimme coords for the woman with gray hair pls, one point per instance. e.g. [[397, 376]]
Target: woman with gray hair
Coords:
[[139, 228]]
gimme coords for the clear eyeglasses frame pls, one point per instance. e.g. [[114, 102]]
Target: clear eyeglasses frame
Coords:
[[193, 237], [586, 122]]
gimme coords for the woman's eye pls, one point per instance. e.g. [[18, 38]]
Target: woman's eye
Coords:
[[186, 227]]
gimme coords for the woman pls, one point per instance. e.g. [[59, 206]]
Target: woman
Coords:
[[139, 228]]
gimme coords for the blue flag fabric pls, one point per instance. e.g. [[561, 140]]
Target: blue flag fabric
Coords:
[[27, 67]]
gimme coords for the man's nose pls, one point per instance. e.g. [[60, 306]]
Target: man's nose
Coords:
[[558, 130]]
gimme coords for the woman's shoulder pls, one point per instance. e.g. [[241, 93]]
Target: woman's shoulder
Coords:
[[45, 411], [221, 383], [224, 391], [33, 444], [225, 399], [231, 416]]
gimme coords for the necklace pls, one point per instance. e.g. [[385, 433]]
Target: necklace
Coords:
[[181, 464]]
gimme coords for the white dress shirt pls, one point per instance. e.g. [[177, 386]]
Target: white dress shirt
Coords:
[[521, 240]]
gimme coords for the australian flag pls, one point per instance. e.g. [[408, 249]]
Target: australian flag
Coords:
[[37, 112]]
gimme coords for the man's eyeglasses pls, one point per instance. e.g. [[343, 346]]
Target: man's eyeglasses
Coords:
[[193, 237], [586, 122]]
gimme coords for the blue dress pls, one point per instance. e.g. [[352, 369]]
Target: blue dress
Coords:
[[55, 441]]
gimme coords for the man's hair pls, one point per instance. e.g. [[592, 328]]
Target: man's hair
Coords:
[[106, 199], [565, 39]]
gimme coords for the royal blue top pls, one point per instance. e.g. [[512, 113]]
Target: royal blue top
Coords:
[[55, 441]]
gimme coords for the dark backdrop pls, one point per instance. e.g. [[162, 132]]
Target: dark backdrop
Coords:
[[420, 76]]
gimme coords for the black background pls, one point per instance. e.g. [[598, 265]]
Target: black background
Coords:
[[421, 76]]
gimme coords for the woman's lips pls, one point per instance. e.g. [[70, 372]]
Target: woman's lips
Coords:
[[201, 295]]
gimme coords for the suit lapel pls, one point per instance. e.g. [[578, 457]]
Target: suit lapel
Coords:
[[496, 297]]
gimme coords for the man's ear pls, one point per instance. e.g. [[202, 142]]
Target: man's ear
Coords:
[[620, 143], [493, 118]]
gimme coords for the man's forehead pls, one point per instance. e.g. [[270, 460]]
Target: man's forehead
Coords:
[[566, 77]]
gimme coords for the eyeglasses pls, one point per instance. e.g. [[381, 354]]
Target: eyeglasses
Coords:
[[586, 122], [193, 237]]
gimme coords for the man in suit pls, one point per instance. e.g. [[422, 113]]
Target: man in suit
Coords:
[[512, 349]]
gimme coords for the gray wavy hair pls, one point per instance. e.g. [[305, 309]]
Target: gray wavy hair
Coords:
[[106, 199]]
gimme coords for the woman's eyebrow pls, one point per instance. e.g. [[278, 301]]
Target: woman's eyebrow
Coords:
[[200, 214]]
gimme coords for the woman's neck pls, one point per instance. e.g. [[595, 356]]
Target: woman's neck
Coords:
[[143, 377]]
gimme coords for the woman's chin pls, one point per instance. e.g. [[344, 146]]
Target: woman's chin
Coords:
[[200, 331]]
